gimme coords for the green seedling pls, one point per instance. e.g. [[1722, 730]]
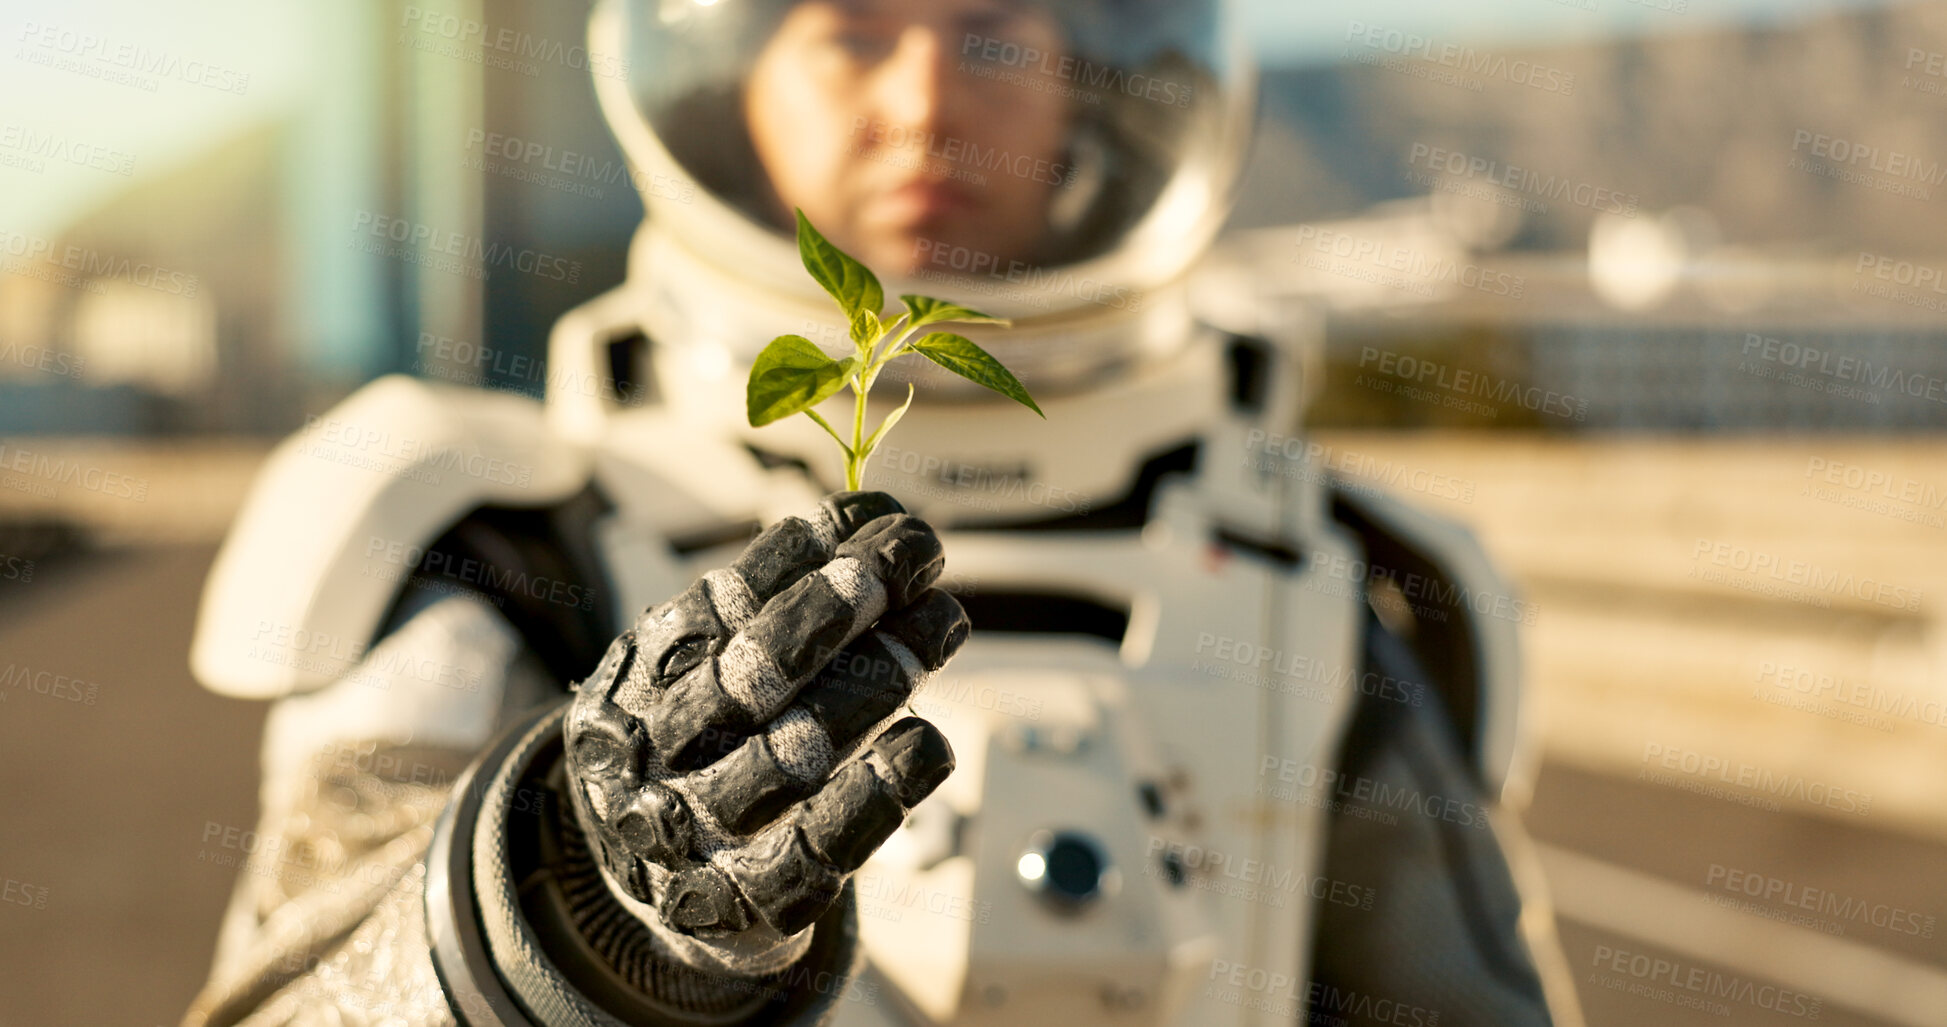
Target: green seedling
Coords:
[[792, 376]]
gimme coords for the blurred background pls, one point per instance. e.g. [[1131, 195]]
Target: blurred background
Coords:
[[1652, 294]]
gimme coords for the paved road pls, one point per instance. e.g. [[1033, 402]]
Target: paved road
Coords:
[[1659, 886], [106, 807]]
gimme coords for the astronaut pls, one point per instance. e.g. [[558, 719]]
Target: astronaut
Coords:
[[611, 709]]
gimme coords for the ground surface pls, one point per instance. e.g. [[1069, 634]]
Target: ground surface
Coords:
[[114, 812]]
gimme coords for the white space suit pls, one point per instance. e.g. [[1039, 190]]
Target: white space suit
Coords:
[[1203, 776]]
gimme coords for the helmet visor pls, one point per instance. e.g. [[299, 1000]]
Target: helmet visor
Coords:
[[949, 138]]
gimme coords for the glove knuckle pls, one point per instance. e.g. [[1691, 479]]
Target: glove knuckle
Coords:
[[656, 825], [777, 559], [804, 628], [850, 511], [672, 639], [702, 902], [902, 551], [786, 882], [605, 741], [917, 757], [934, 626], [695, 722], [747, 788], [852, 816]]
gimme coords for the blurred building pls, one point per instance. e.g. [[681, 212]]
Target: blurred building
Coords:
[[397, 203], [1725, 228], [1615, 230]]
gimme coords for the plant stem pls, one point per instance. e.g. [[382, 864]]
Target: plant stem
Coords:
[[855, 461], [894, 349]]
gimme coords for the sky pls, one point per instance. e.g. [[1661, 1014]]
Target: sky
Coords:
[[146, 128], [1301, 32]]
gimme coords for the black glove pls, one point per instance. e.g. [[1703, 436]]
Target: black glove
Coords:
[[708, 752]]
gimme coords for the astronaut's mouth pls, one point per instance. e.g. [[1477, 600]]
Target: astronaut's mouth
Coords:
[[923, 202]]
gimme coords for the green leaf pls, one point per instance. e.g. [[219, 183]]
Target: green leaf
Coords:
[[891, 419], [866, 329], [962, 357], [792, 375], [926, 310], [854, 286]]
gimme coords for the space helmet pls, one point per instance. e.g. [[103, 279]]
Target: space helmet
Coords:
[[1061, 163]]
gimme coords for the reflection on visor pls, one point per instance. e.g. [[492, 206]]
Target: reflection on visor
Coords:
[[940, 138]]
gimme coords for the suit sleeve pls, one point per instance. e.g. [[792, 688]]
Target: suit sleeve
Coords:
[[327, 923], [1441, 944]]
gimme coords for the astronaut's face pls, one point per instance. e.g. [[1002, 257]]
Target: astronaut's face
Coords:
[[868, 115]]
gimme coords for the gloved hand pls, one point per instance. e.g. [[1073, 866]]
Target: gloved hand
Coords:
[[708, 752]]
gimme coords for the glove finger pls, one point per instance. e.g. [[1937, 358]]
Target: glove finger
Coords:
[[878, 672], [761, 669], [865, 802], [863, 686], [675, 637], [844, 513], [930, 629], [901, 551], [791, 549], [792, 871]]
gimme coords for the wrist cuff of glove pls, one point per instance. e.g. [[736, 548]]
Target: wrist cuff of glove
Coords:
[[758, 952], [527, 930]]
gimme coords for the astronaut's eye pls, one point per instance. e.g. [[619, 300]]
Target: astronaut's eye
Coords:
[[682, 657]]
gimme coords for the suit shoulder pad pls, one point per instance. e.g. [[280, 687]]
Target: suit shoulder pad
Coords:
[[329, 529]]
